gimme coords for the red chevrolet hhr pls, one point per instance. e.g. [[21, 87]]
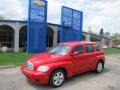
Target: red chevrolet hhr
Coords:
[[64, 61]]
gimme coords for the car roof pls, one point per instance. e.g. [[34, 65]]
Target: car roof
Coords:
[[74, 43]]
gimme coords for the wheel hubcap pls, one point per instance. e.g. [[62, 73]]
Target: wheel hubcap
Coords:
[[99, 67], [58, 78]]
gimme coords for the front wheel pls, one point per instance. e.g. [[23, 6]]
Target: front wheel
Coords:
[[99, 67], [57, 78]]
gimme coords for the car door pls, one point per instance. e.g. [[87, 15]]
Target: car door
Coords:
[[90, 55], [79, 64]]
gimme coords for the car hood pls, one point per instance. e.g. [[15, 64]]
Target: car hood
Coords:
[[44, 58]]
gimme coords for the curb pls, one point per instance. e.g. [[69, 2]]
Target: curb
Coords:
[[7, 66]]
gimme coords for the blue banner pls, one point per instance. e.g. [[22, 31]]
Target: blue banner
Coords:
[[37, 21], [71, 25]]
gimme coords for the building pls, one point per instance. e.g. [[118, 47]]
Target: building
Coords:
[[13, 34]]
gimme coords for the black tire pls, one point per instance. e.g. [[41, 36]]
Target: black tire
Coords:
[[52, 80], [99, 67]]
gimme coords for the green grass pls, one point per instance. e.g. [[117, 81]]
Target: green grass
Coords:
[[111, 51], [19, 58], [12, 58]]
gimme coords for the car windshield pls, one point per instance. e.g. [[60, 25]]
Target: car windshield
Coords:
[[59, 49]]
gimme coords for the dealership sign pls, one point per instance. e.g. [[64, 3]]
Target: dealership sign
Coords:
[[71, 25], [39, 3], [37, 21]]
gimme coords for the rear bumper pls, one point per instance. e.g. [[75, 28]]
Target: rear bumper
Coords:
[[36, 77]]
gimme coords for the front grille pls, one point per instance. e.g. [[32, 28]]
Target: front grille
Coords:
[[29, 65]]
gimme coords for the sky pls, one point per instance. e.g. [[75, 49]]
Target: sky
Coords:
[[97, 13]]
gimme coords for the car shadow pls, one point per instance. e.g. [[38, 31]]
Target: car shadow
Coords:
[[70, 82], [84, 77]]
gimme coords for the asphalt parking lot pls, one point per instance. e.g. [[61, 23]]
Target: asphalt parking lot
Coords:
[[109, 79]]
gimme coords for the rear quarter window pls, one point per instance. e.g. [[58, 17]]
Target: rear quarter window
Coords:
[[98, 47]]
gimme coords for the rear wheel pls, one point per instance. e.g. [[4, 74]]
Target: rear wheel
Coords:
[[57, 78], [99, 67]]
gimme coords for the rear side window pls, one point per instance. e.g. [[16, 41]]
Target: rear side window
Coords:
[[89, 48], [98, 48]]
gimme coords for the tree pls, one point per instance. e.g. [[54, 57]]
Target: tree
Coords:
[[116, 39], [101, 32], [90, 30], [1, 17], [93, 36], [107, 34]]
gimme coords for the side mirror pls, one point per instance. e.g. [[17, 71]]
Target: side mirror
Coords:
[[75, 53]]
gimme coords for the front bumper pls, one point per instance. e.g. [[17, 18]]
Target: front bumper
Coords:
[[34, 76]]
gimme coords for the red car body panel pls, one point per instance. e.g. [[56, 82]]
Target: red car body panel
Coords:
[[37, 77], [72, 64]]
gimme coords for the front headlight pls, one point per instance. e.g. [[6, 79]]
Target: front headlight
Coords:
[[43, 68]]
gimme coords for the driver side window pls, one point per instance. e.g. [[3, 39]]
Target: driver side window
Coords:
[[78, 49]]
